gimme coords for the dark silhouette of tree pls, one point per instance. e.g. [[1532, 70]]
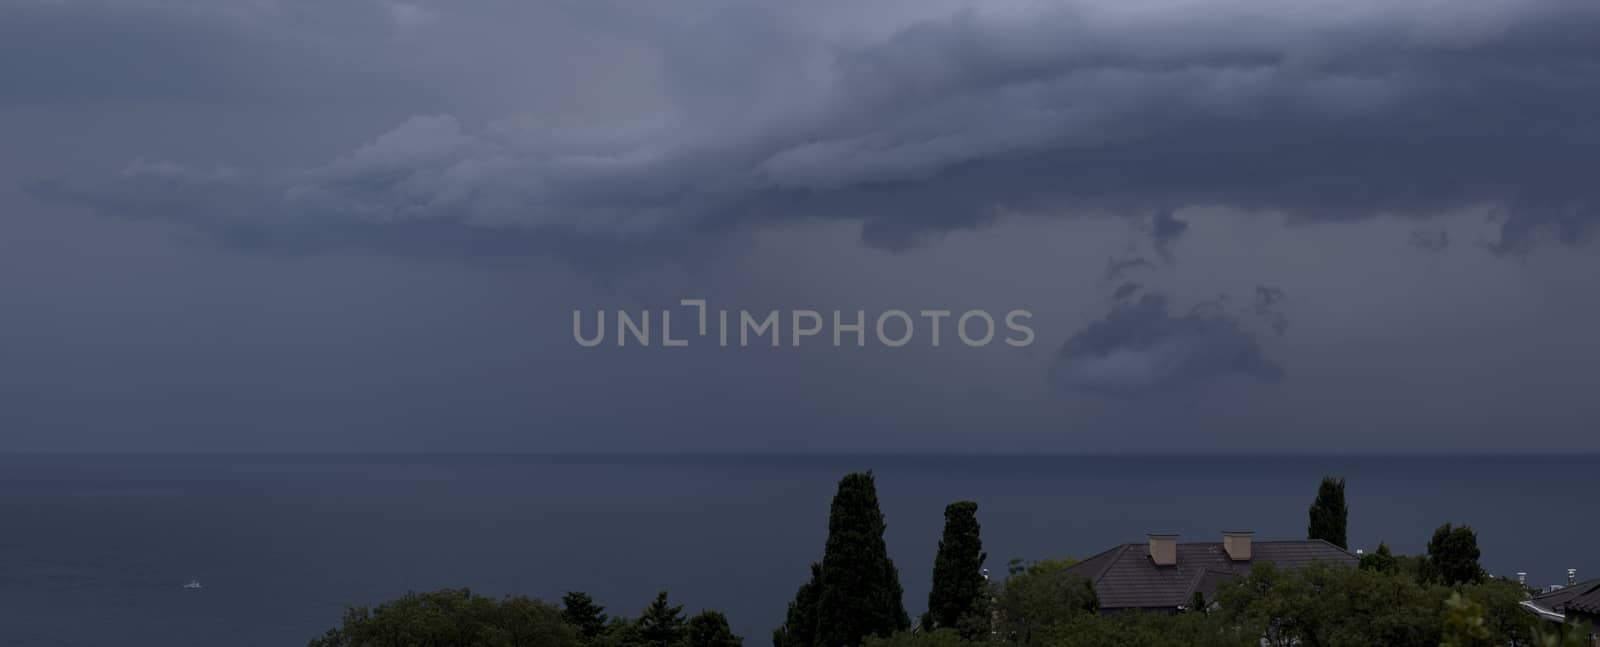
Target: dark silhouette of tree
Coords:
[[856, 591], [1453, 556], [861, 594], [800, 625], [662, 624], [452, 617], [710, 629], [1329, 516], [580, 611], [958, 594], [1381, 560]]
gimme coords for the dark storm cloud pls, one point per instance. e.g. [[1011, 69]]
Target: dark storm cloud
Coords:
[[1141, 347], [1327, 111]]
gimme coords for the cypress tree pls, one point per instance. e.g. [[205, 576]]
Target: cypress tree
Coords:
[[1329, 516], [800, 625], [958, 591], [860, 592]]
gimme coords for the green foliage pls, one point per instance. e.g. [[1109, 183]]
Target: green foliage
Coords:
[[580, 611], [800, 624], [935, 638], [856, 592], [1487, 615], [1569, 634], [1464, 625], [1329, 516], [1453, 556], [1135, 629], [958, 598], [710, 629], [620, 632], [1381, 560], [1503, 616], [662, 624], [1334, 606], [1040, 596], [455, 617], [1331, 605]]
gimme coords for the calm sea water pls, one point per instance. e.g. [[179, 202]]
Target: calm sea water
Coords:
[[94, 550]]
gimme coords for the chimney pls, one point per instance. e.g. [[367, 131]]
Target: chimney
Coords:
[[1572, 576], [1237, 543], [1164, 548]]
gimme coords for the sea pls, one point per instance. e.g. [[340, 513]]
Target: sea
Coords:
[[96, 550]]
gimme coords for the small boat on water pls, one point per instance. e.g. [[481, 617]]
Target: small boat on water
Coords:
[[193, 584]]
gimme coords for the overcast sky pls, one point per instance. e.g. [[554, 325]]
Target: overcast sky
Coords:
[[1265, 226]]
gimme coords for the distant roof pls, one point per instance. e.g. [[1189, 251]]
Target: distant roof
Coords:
[[1124, 577], [1583, 597]]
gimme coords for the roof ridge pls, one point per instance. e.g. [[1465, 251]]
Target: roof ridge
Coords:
[[1121, 550], [1332, 545]]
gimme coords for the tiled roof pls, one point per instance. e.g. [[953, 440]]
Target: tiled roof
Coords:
[[1125, 577], [1583, 597]]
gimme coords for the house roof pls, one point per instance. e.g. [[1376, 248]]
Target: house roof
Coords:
[[1583, 597], [1124, 577]]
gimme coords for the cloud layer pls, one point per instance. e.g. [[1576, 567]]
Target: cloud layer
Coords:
[[918, 118], [1142, 348]]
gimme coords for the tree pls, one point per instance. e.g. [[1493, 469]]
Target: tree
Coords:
[[935, 638], [620, 632], [1503, 615], [1146, 630], [860, 593], [580, 611], [1381, 560], [1039, 596], [1566, 634], [800, 624], [1330, 604], [1329, 516], [1453, 556], [710, 629], [958, 584], [1463, 623], [662, 624], [452, 617]]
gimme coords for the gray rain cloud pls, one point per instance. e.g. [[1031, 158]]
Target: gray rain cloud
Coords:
[[913, 118], [1141, 347], [399, 203]]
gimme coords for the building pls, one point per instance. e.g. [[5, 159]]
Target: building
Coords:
[[1576, 602], [1163, 574]]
